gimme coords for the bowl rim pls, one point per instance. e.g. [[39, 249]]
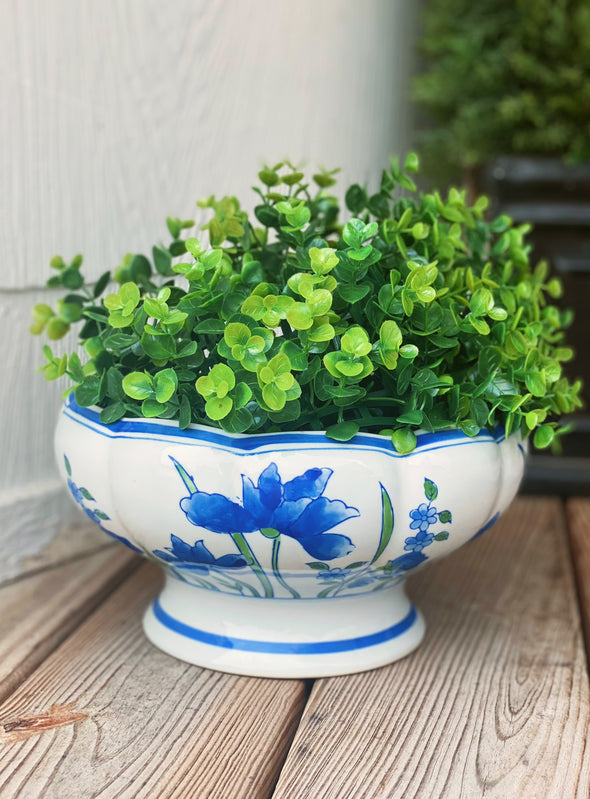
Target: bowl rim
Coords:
[[130, 427]]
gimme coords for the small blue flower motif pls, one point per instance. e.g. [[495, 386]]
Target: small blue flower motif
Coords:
[[296, 509], [422, 517], [197, 558], [417, 543], [344, 574]]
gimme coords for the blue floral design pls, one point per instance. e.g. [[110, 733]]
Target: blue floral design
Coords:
[[197, 558], [423, 517], [418, 542], [296, 509], [81, 496]]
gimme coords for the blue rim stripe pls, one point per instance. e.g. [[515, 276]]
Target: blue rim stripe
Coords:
[[151, 427], [280, 648]]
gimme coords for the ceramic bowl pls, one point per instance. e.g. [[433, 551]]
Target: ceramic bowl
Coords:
[[285, 554]]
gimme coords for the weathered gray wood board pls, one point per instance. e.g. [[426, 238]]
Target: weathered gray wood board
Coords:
[[40, 611], [107, 715], [494, 704]]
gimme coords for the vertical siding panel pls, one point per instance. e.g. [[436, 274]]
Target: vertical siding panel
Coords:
[[121, 112]]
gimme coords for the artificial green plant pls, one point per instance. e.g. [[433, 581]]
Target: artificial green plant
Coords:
[[415, 313]]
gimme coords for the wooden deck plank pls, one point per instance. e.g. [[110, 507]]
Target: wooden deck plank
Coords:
[[109, 715], [578, 516], [41, 610], [494, 704]]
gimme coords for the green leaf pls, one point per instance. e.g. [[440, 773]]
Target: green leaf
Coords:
[[162, 261], [352, 293], [413, 417], [480, 325], [238, 421], [274, 397], [404, 440], [536, 383], [165, 384], [112, 413], [138, 385], [441, 536], [151, 408], [318, 566], [356, 199], [68, 466], [343, 431], [544, 435], [430, 490], [445, 517], [71, 278], [217, 408], [89, 392], [299, 316], [470, 427]]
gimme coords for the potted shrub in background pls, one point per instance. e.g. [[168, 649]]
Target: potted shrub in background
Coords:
[[506, 87], [293, 418]]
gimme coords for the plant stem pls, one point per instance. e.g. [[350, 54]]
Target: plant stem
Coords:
[[252, 561], [276, 545]]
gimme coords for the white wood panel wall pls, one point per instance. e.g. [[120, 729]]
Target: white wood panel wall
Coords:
[[116, 114]]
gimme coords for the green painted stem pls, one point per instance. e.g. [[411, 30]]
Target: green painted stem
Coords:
[[252, 561], [202, 582], [233, 582], [276, 545]]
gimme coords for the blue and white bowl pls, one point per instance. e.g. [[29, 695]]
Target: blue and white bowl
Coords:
[[285, 554]]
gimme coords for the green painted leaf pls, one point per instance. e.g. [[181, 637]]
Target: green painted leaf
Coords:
[[387, 523], [445, 517], [318, 566], [269, 532], [430, 489]]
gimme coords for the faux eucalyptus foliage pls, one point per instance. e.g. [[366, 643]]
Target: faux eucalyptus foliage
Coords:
[[416, 313]]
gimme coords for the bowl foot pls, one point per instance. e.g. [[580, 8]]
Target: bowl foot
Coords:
[[283, 638]]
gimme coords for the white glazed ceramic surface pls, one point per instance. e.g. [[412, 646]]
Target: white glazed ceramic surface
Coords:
[[285, 554]]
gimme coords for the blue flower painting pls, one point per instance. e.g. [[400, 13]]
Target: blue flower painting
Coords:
[[197, 558], [422, 517], [297, 509], [360, 575]]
